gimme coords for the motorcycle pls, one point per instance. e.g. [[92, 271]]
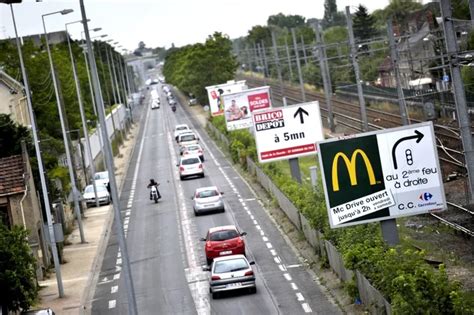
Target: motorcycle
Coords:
[[155, 194], [173, 108]]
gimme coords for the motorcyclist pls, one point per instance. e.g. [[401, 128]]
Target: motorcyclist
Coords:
[[151, 184], [173, 108]]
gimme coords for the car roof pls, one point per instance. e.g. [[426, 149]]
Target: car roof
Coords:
[[181, 125], [222, 228], [206, 188], [230, 257]]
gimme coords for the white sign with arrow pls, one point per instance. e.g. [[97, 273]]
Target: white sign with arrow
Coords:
[[287, 132]]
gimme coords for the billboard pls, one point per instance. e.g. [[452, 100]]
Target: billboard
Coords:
[[239, 106], [381, 175], [215, 92], [287, 132]]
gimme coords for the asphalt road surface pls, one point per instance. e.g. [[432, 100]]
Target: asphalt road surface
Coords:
[[165, 252]]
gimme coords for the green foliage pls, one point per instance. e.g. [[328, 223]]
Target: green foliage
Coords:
[[363, 24], [399, 10], [193, 67], [331, 16], [18, 288], [11, 135], [61, 173], [286, 21], [259, 34]]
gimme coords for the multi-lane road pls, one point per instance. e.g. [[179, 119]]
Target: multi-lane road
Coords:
[[165, 252]]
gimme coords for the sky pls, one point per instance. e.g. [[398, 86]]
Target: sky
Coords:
[[161, 22]]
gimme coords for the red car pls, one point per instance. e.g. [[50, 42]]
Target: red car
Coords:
[[222, 241]]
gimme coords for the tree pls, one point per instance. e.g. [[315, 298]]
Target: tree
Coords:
[[331, 16], [11, 135], [259, 34], [399, 10], [363, 24], [286, 21], [18, 289]]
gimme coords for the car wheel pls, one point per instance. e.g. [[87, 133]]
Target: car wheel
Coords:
[[215, 295], [253, 290], [196, 213], [203, 175], [223, 210], [181, 177], [209, 261]]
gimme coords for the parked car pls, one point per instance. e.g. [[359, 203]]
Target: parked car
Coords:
[[192, 101], [102, 178], [231, 273], [43, 311], [190, 149], [207, 199], [190, 165], [155, 104], [102, 195], [223, 241], [178, 129], [188, 138]]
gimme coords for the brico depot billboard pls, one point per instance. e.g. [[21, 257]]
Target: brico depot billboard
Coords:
[[239, 106], [215, 93]]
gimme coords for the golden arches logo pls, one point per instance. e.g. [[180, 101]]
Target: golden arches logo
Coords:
[[351, 168]]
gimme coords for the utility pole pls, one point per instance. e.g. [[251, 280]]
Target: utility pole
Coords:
[[277, 63], [323, 65], [300, 75], [264, 57], [289, 60], [128, 280], [394, 56], [459, 93], [111, 75], [355, 64], [305, 57]]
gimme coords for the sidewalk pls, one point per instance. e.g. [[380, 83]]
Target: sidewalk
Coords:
[[81, 260]]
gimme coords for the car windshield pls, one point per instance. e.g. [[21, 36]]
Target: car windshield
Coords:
[[182, 128], [190, 161], [230, 265], [90, 188], [207, 193], [101, 176], [188, 138], [223, 235], [192, 148]]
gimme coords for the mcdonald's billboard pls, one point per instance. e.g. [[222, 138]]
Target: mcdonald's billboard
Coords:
[[380, 175]]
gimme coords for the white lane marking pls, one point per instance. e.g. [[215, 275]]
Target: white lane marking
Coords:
[[265, 239], [294, 286], [252, 217], [277, 260], [269, 245], [262, 233], [119, 254], [306, 308], [294, 266], [258, 227], [299, 297], [250, 199], [255, 222], [282, 268], [114, 289], [119, 261], [116, 276], [273, 252], [287, 276], [112, 303]]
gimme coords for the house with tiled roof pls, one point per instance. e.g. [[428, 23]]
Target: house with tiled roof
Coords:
[[13, 100], [19, 205]]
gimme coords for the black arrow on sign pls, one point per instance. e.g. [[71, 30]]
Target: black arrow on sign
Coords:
[[418, 136], [300, 111]]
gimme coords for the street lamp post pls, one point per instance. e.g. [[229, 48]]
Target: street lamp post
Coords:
[[110, 166], [63, 127], [44, 187], [83, 117]]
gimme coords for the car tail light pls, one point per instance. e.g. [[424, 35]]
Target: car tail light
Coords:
[[181, 168], [249, 273], [200, 165], [240, 242], [208, 244], [217, 277]]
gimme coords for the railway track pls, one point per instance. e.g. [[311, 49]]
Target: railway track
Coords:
[[347, 114]]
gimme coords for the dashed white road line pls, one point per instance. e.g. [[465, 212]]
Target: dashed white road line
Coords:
[[114, 289], [112, 304]]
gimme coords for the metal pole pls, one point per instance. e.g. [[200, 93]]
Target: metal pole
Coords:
[[459, 93], [305, 57], [277, 63], [83, 119], [394, 57], [325, 74], [300, 75], [471, 10], [112, 61], [110, 74], [289, 60], [355, 64], [63, 130], [264, 57], [110, 166], [44, 187]]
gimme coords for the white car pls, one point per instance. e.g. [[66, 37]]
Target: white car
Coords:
[[102, 178], [190, 165], [188, 138], [102, 195], [207, 199], [155, 104], [178, 129], [191, 149]]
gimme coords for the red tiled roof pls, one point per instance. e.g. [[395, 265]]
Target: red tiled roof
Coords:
[[11, 175]]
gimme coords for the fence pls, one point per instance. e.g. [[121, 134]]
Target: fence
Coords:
[[370, 296]]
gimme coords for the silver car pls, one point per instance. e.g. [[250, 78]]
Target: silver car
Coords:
[[190, 165], [231, 273], [207, 199], [102, 195]]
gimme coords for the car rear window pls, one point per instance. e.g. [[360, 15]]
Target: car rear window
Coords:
[[181, 128], [190, 161], [188, 138], [223, 235], [207, 193], [230, 265]]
